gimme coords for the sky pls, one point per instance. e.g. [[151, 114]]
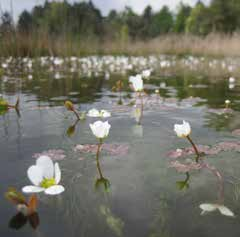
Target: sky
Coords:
[[104, 5]]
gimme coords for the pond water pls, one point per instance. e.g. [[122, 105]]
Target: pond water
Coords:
[[143, 198]]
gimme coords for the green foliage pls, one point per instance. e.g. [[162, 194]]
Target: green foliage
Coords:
[[3, 105], [181, 18], [162, 22], [82, 20], [225, 15], [198, 21]]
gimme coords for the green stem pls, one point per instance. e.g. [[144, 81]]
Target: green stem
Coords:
[[97, 159], [194, 147], [141, 115], [187, 177], [77, 115]]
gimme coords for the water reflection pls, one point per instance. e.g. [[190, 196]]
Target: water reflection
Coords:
[[184, 184], [18, 221], [101, 182], [71, 129], [143, 196]]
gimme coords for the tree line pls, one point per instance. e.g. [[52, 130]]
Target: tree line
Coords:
[[85, 20]]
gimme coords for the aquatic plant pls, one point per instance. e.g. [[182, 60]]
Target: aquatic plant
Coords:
[[5, 106], [98, 113], [27, 209], [45, 176], [227, 103], [118, 87], [100, 130], [183, 131], [137, 85], [70, 107]]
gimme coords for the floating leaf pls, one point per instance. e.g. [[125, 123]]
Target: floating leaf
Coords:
[[207, 150], [185, 167], [54, 154], [221, 111], [236, 132], [111, 149]]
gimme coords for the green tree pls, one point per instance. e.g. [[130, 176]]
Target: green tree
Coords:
[[162, 22], [199, 21], [181, 18], [6, 23], [147, 18], [25, 22], [225, 15]]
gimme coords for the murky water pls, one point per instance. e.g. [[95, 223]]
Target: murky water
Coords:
[[143, 199]]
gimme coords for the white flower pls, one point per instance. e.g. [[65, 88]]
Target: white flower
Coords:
[[96, 113], [182, 130], [227, 102], [146, 73], [93, 113], [4, 65], [45, 176], [137, 82], [208, 207], [100, 129], [231, 80], [231, 86], [163, 85]]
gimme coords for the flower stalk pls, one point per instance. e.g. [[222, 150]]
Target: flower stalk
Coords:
[[97, 158], [194, 147], [141, 109]]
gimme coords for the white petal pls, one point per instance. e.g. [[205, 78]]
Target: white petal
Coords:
[[46, 164], [57, 173], [93, 113], [32, 189], [208, 207], [35, 174], [225, 211], [54, 190]]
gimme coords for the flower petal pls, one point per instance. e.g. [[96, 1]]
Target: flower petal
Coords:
[[46, 164], [57, 173], [54, 190], [93, 113], [32, 189], [208, 207], [35, 174], [225, 211]]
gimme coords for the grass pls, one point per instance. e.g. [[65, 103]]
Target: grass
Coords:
[[41, 44]]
